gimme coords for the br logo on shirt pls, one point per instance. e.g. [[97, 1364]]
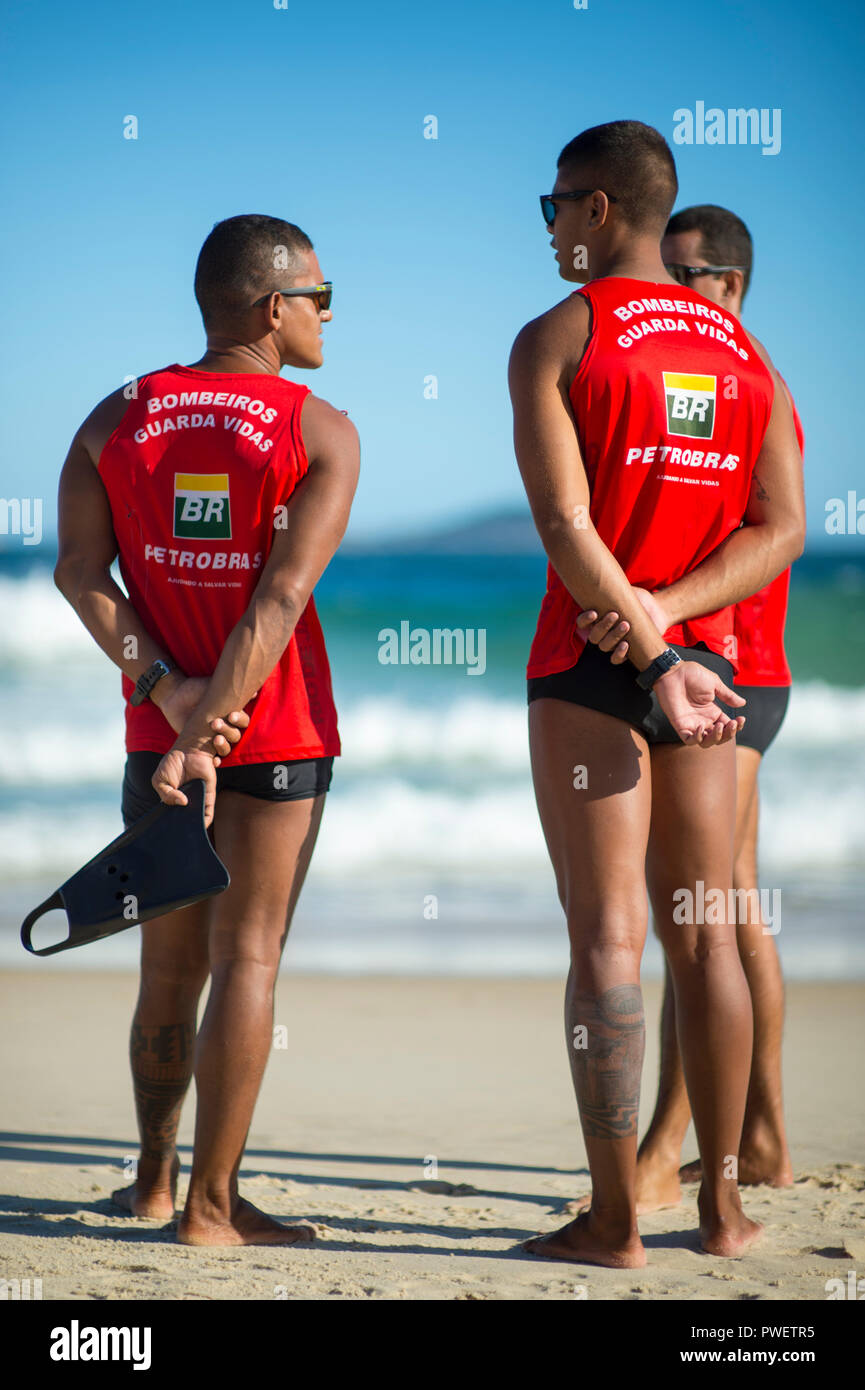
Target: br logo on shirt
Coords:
[[201, 506], [690, 404]]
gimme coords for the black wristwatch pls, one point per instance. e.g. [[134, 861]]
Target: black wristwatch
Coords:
[[659, 667], [147, 681]]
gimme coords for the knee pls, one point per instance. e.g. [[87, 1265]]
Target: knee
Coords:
[[181, 977], [255, 963], [250, 941], [609, 944], [696, 947]]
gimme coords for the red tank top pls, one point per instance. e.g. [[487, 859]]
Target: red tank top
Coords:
[[671, 404], [196, 473], [759, 622]]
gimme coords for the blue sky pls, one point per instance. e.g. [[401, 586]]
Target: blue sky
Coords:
[[436, 247]]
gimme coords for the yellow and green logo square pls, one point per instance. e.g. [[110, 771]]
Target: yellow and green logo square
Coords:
[[690, 404], [201, 506]]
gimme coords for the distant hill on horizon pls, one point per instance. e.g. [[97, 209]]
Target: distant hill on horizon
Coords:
[[509, 531]]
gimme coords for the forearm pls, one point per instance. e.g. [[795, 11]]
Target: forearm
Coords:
[[742, 565], [596, 580], [110, 618], [254, 646]]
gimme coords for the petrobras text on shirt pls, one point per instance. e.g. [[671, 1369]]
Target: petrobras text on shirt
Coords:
[[203, 559], [693, 458]]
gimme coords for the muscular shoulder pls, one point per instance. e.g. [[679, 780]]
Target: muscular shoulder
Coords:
[[554, 328], [762, 352], [102, 421], [327, 431], [555, 340]]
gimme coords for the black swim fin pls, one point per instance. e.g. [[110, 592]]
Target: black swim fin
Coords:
[[163, 862]]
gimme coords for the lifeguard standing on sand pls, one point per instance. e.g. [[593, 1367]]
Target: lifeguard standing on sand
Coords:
[[639, 470], [225, 490]]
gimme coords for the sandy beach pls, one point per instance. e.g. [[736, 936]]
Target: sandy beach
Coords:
[[425, 1126]]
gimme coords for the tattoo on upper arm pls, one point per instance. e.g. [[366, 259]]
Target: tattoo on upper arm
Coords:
[[762, 494], [607, 1071]]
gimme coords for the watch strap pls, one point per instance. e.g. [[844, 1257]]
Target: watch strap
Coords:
[[148, 680], [659, 667]]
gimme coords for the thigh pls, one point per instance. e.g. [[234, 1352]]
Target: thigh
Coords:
[[595, 821], [692, 835], [266, 847], [747, 809], [755, 944]]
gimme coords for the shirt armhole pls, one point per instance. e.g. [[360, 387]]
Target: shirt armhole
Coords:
[[297, 434], [590, 337]]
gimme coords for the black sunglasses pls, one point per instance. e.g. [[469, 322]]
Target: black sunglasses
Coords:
[[549, 200], [322, 294], [685, 273]]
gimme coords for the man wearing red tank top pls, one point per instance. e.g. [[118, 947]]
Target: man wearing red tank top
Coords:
[[647, 426], [224, 490]]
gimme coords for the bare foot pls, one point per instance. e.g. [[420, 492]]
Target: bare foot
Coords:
[[579, 1242], [153, 1193], [755, 1167], [691, 1172], [657, 1188], [729, 1235], [577, 1205], [764, 1156], [246, 1226]]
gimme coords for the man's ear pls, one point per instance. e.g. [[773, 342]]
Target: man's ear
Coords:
[[734, 281], [600, 210]]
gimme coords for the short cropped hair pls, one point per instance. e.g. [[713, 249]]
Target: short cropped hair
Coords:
[[724, 238], [244, 258], [632, 162]]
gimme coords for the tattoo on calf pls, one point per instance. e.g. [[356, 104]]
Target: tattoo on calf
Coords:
[[607, 1072], [161, 1058]]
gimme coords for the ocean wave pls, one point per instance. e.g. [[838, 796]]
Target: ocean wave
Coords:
[[823, 716], [435, 788], [52, 842], [83, 749], [387, 732], [375, 828], [77, 737], [39, 627]]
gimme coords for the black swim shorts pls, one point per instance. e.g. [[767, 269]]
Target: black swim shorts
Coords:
[[288, 780], [597, 684], [764, 714]]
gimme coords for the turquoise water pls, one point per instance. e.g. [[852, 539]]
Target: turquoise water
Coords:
[[360, 594], [432, 799]]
